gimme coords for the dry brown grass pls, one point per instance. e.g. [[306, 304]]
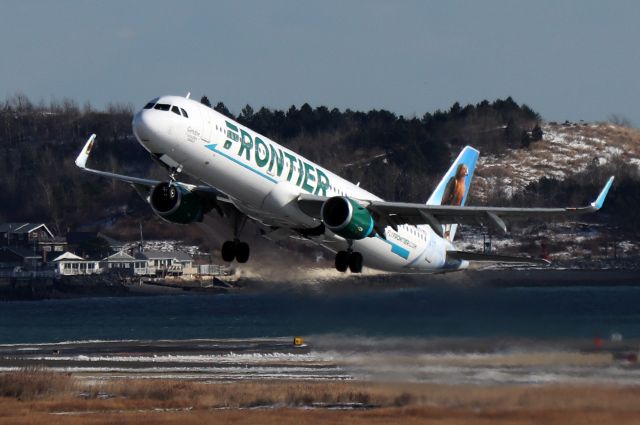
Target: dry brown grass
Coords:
[[33, 382], [413, 415], [38, 396]]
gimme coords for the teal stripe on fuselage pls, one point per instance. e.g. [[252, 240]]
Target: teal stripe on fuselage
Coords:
[[212, 147], [396, 249]]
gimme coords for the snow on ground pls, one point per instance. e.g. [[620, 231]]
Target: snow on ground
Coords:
[[165, 246], [565, 149]]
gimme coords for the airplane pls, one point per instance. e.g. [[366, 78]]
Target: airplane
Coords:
[[245, 175]]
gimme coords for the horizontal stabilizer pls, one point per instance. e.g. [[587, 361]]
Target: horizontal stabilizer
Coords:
[[474, 256]]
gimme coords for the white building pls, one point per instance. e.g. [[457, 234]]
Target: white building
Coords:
[[121, 262], [69, 264], [147, 263], [175, 263]]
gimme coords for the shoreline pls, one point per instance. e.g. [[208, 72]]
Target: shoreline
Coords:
[[475, 277], [326, 358]]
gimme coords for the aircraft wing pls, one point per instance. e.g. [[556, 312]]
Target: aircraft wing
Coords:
[[140, 184], [494, 258], [397, 213]]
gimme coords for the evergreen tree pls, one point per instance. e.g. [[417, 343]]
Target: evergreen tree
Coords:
[[220, 107], [246, 115], [536, 133], [205, 101], [525, 139]]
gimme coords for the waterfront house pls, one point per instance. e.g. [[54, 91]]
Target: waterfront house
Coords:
[[69, 264], [121, 262], [175, 263], [34, 236]]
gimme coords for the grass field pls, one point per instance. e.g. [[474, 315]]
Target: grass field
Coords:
[[38, 396]]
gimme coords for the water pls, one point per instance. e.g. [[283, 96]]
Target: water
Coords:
[[437, 335], [426, 313]]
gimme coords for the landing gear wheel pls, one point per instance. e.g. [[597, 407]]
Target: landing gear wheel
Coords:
[[355, 262], [242, 252], [342, 261], [228, 251]]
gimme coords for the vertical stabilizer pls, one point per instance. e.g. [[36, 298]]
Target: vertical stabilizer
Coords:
[[454, 186]]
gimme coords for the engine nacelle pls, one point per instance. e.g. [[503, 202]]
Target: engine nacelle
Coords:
[[347, 218], [176, 203]]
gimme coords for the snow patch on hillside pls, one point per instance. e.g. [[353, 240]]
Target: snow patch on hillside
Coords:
[[563, 151]]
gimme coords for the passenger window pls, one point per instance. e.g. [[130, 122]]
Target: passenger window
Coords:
[[175, 110], [184, 113], [162, 107]]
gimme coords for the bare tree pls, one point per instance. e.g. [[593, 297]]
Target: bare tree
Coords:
[[620, 120]]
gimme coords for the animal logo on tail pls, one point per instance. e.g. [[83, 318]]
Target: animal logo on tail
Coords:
[[454, 192], [453, 188]]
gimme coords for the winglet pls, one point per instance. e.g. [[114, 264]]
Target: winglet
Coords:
[[597, 204], [81, 160]]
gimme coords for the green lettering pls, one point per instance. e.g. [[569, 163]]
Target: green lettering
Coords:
[[277, 158], [231, 126], [300, 172], [291, 159], [232, 135], [262, 152], [308, 177], [323, 183], [246, 143]]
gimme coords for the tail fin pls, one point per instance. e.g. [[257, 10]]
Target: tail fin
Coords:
[[454, 186]]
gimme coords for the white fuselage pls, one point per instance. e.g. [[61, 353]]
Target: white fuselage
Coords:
[[263, 179]]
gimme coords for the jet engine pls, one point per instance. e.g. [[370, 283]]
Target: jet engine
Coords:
[[347, 218], [176, 204]]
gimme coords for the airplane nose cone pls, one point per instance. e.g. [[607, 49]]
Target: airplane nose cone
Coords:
[[142, 126], [150, 130]]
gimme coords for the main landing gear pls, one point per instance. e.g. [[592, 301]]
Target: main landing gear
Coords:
[[235, 250], [349, 259]]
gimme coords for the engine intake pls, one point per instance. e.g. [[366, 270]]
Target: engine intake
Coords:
[[176, 203], [347, 218]]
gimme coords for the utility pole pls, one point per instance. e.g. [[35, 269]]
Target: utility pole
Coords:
[[141, 248]]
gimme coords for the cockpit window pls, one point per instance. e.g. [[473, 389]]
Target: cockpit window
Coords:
[[184, 113], [151, 103], [175, 110], [162, 107]]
